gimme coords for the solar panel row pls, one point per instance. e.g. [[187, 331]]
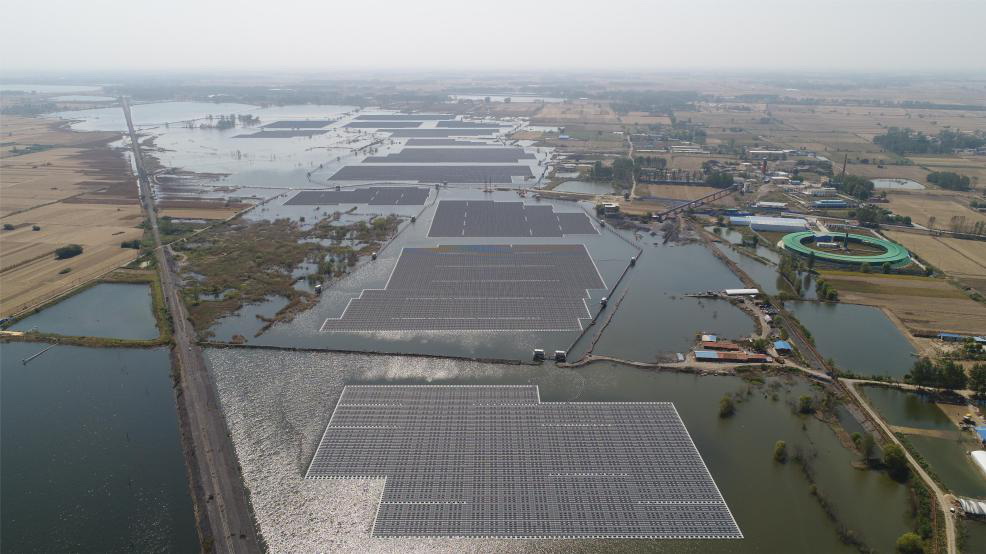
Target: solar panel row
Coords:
[[486, 218], [299, 124], [453, 155], [374, 196], [433, 174], [472, 288], [493, 461]]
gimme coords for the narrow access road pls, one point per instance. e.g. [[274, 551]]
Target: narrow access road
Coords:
[[950, 538], [221, 503]]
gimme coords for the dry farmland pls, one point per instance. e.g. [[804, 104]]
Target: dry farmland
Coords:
[[676, 192], [962, 259], [73, 189], [921, 304], [942, 205]]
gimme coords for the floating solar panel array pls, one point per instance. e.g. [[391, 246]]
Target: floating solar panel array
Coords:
[[433, 173], [456, 124], [374, 196], [489, 154], [299, 124], [283, 134], [478, 288], [495, 461], [404, 117], [398, 133], [486, 218], [383, 124], [443, 142]]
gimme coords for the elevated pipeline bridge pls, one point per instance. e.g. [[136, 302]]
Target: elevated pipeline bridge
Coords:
[[661, 216]]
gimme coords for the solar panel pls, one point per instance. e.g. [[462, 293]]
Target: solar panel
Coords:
[[487, 218], [373, 196], [478, 288], [495, 461], [434, 173]]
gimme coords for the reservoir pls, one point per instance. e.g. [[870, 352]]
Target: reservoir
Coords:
[[897, 184], [112, 310], [859, 338], [91, 459]]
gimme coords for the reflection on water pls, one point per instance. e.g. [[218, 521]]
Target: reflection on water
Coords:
[[278, 404]]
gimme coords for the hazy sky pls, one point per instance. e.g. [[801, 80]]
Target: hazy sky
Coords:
[[891, 35]]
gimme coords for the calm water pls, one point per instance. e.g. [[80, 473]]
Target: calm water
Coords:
[[897, 184], [585, 186], [91, 460], [279, 402], [655, 318], [859, 338], [947, 452], [114, 310]]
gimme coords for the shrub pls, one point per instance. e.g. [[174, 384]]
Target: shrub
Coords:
[[896, 463], [910, 543], [806, 405], [69, 251], [780, 452], [726, 407]]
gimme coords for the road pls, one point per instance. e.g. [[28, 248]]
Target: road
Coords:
[[221, 502], [943, 503]]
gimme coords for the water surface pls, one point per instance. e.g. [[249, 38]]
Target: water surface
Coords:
[[859, 338], [112, 310], [91, 459]]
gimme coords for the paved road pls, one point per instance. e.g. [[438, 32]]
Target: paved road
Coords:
[[227, 516], [928, 481]]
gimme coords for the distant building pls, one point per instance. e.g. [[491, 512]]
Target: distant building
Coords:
[[780, 224], [823, 204], [821, 191], [771, 205]]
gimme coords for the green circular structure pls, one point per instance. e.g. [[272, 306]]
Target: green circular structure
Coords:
[[895, 254]]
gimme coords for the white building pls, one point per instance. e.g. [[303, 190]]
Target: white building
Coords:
[[779, 224]]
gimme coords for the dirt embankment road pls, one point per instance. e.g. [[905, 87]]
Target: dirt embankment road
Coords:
[[222, 506]]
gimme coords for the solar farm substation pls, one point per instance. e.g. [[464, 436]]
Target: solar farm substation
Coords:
[[487, 218], [434, 173], [373, 196], [494, 461], [284, 134], [405, 117], [531, 287], [299, 124], [489, 154]]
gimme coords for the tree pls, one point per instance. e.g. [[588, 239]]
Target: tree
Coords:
[[949, 180], [910, 543], [806, 405], [896, 463], [922, 373], [977, 379], [69, 251], [719, 180], [864, 267], [951, 375], [726, 407], [780, 452], [885, 267]]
